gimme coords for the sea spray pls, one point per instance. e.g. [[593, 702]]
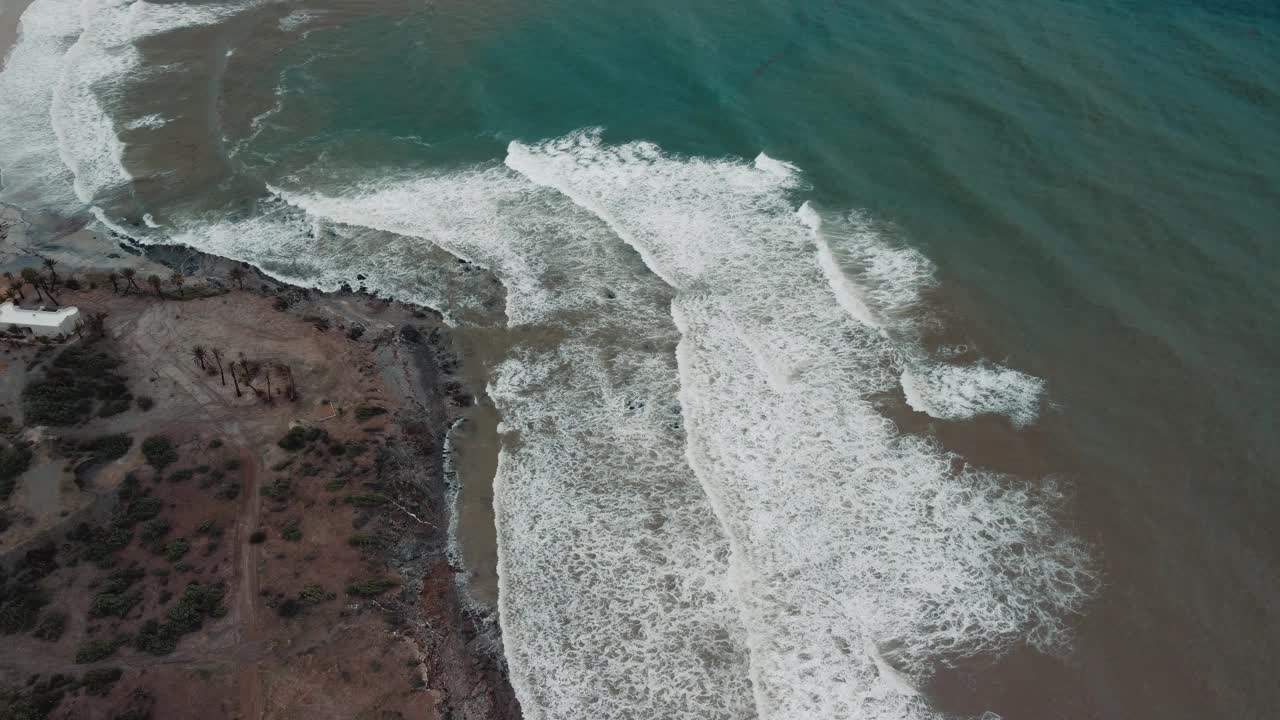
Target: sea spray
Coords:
[[846, 534]]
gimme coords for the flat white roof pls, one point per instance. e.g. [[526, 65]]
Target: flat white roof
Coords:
[[53, 319]]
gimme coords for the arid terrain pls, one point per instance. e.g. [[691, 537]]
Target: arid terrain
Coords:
[[228, 503]]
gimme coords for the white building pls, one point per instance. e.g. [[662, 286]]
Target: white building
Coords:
[[46, 323]]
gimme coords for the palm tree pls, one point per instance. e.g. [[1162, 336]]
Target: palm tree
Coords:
[[49, 292], [15, 288], [154, 280], [114, 277], [97, 324], [217, 357], [177, 279], [129, 274], [237, 273], [270, 398], [198, 352], [234, 381], [291, 391], [33, 278], [249, 372], [53, 275]]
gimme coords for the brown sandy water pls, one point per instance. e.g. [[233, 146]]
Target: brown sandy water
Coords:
[[10, 12]]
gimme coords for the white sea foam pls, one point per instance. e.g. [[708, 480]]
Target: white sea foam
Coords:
[[94, 74], [847, 294], [958, 392], [845, 534], [147, 122], [879, 284], [612, 571], [33, 174], [295, 20]]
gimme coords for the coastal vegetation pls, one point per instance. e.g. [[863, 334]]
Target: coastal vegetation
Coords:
[[80, 382], [148, 564]]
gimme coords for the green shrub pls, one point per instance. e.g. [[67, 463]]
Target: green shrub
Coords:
[[99, 682], [37, 699], [115, 405], [371, 587], [277, 489], [364, 412], [291, 532], [20, 609], [215, 443], [156, 638], [51, 626], [233, 464], [124, 578], [174, 551], [198, 602], [257, 536], [154, 530], [289, 608], [72, 382], [108, 604], [366, 541], [159, 452], [101, 543], [100, 649], [109, 447], [145, 403], [14, 460], [365, 501], [229, 490], [295, 439], [312, 595], [181, 475], [129, 486], [139, 510]]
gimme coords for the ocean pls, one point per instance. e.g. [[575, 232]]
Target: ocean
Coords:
[[839, 359]]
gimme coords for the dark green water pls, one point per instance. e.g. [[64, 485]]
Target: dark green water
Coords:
[[1096, 185]]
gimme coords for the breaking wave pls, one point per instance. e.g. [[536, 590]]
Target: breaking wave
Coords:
[[701, 513], [852, 543], [30, 164]]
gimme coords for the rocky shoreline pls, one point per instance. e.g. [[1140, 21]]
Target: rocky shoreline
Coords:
[[457, 641]]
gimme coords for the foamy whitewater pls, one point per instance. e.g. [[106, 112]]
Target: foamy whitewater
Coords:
[[701, 513]]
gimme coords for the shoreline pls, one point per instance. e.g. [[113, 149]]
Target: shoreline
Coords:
[[10, 14], [462, 648]]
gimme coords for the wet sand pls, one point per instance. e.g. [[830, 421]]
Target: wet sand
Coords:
[[10, 12]]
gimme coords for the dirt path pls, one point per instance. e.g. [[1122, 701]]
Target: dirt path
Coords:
[[247, 602]]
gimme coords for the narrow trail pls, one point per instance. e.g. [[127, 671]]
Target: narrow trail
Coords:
[[246, 605]]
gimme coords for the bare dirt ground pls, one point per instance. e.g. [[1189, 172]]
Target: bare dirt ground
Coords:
[[284, 531]]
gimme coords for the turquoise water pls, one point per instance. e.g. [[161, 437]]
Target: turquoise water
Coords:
[[1095, 186], [1098, 184]]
